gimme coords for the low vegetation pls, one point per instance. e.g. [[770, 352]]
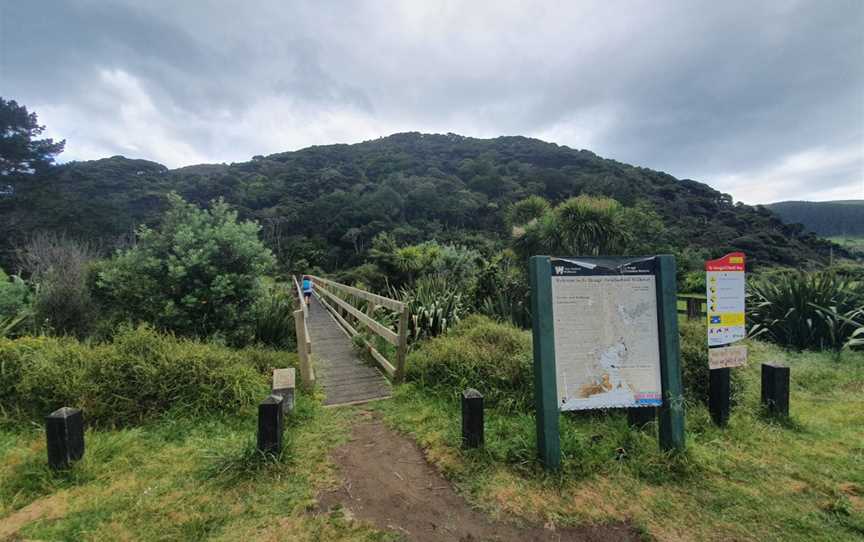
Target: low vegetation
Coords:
[[755, 480], [179, 478], [807, 310], [139, 375]]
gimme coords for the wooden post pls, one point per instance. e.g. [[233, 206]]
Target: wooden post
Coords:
[[639, 417], [545, 390], [302, 349], [270, 420], [671, 413], [402, 347], [694, 308], [775, 389], [64, 431], [472, 418], [283, 385], [718, 395]]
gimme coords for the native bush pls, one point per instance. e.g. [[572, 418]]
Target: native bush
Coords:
[[435, 304], [274, 317], [806, 310], [197, 275], [14, 294], [479, 353], [140, 374], [59, 266], [502, 291]]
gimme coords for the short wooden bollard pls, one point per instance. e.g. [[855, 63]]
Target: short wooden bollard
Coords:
[[639, 416], [775, 389], [283, 385], [719, 390], [64, 430], [270, 421], [472, 418]]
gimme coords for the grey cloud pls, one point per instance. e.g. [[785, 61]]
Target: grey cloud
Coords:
[[707, 90]]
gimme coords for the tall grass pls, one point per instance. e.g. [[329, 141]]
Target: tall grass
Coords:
[[813, 311]]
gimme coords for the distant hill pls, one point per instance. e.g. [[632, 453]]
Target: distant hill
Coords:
[[825, 218], [325, 203]]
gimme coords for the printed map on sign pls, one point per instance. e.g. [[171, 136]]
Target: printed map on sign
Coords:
[[607, 351]]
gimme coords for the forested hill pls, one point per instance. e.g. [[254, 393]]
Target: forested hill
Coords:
[[326, 203], [826, 218]]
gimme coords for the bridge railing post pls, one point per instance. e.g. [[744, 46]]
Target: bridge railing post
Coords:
[[402, 348]]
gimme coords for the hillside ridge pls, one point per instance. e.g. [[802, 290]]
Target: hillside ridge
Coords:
[[325, 204]]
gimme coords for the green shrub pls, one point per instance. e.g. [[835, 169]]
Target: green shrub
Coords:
[[806, 310], [62, 302], [197, 275], [695, 374], [435, 304], [139, 375], [14, 295], [478, 353], [274, 317]]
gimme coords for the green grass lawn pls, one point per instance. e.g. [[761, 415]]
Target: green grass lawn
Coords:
[[755, 480], [179, 479]]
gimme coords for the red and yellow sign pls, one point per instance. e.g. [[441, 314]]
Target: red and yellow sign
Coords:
[[725, 291]]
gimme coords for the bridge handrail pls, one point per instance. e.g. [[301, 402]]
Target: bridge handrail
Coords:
[[304, 341], [399, 338]]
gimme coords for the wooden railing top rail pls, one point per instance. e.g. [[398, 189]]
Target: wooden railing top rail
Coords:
[[392, 304]]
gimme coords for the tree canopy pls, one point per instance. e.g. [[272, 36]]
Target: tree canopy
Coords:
[[20, 150]]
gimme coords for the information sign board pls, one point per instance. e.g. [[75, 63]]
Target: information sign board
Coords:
[[725, 290], [606, 335]]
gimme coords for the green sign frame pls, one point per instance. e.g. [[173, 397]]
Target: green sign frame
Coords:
[[670, 414]]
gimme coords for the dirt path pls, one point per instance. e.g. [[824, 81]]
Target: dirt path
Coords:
[[387, 481]]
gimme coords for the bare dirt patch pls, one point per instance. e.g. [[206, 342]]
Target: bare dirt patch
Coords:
[[387, 481], [50, 507]]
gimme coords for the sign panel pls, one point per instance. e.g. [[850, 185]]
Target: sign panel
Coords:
[[727, 356], [606, 335], [725, 290]]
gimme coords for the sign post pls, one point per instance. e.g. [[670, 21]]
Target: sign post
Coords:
[[545, 390], [671, 412], [725, 289], [605, 336]]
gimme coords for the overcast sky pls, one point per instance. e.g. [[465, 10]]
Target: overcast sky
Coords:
[[763, 100]]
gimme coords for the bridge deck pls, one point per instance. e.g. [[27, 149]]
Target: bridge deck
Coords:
[[344, 377]]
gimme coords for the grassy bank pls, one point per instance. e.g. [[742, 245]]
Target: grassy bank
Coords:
[[755, 480]]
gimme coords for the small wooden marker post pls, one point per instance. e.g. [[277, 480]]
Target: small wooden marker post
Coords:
[[64, 430], [270, 420], [718, 395], [775, 389], [638, 417], [283, 385], [472, 418]]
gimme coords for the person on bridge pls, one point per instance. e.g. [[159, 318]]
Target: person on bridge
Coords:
[[307, 289]]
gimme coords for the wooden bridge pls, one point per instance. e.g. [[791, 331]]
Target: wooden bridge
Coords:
[[328, 328], [326, 331]]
